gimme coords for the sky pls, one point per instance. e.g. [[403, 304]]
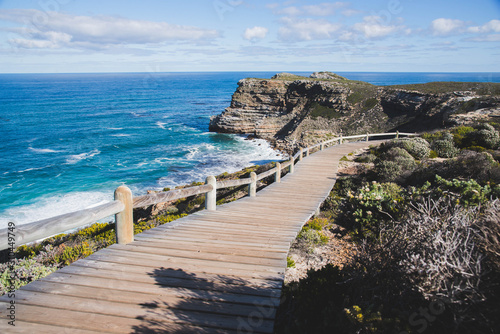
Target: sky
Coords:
[[73, 36]]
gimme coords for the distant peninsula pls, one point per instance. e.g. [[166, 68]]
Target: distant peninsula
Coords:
[[292, 111]]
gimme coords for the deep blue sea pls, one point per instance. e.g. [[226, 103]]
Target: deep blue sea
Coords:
[[68, 140]]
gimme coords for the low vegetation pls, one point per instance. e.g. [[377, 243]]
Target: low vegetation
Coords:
[[481, 88], [427, 238]]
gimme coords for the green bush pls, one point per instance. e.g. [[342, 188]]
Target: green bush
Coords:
[[290, 263], [460, 134], [419, 148], [373, 203], [368, 158], [386, 171], [312, 237], [444, 148], [483, 135]]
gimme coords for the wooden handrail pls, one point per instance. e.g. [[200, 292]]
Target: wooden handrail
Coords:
[[45, 228]]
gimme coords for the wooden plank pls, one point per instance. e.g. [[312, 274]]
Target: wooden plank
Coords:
[[158, 278], [133, 297], [260, 260], [189, 265], [208, 248], [102, 323], [114, 250], [223, 236], [113, 287], [30, 327], [233, 226], [125, 269], [149, 310], [243, 224], [228, 243]]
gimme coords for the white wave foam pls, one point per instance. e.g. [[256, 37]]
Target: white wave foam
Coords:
[[211, 160], [121, 135], [73, 159], [43, 150], [52, 206], [161, 125]]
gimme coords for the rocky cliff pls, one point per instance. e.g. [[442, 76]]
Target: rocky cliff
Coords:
[[293, 110]]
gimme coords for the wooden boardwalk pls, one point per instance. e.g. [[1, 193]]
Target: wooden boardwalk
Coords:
[[210, 272]]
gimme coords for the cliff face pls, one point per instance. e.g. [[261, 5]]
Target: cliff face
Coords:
[[292, 109]]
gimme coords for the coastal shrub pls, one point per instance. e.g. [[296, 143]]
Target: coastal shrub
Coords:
[[460, 134], [418, 147], [487, 138], [445, 148], [468, 192], [386, 171], [18, 273], [290, 263], [373, 203], [367, 158], [318, 110], [401, 157], [311, 234], [69, 254], [483, 135]]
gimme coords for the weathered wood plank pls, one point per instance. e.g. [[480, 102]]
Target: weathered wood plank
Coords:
[[117, 287], [172, 195], [101, 323], [133, 297], [41, 229]]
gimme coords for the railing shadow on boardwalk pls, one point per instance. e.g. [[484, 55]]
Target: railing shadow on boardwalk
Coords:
[[225, 304]]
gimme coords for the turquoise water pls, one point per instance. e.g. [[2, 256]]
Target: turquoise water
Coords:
[[68, 140]]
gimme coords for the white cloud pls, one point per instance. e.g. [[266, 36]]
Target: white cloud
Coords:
[[443, 27], [307, 29], [371, 27], [255, 33], [322, 9], [54, 30], [492, 26]]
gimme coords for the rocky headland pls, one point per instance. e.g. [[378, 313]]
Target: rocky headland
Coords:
[[292, 111]]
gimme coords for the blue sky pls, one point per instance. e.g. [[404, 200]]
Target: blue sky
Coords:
[[52, 36]]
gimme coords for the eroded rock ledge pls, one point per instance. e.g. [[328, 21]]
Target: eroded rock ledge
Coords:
[[292, 110]]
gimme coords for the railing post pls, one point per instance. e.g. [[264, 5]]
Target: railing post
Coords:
[[322, 146], [341, 140], [307, 152], [292, 165], [301, 154], [277, 176], [367, 137], [397, 134], [124, 220], [211, 196], [252, 187]]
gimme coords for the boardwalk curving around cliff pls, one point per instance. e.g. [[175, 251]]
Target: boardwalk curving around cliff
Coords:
[[210, 272]]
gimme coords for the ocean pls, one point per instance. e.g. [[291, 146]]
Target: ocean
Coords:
[[68, 140]]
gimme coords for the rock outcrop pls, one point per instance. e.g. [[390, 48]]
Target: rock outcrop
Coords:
[[292, 110]]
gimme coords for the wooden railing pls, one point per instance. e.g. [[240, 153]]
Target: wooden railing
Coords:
[[124, 203]]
